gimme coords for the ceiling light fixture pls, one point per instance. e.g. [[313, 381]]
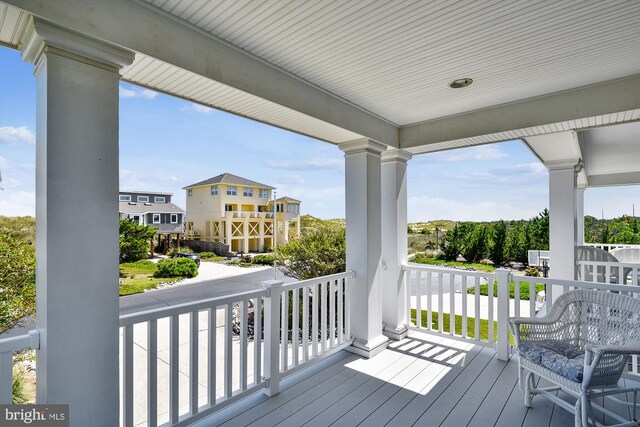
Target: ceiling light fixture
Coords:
[[458, 83]]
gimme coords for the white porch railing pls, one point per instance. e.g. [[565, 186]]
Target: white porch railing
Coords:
[[608, 272], [442, 292], [8, 347], [435, 293], [183, 362], [610, 246]]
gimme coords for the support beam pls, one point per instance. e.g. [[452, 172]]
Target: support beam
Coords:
[[580, 216], [589, 101], [163, 37], [562, 220], [394, 242], [363, 218], [76, 188]]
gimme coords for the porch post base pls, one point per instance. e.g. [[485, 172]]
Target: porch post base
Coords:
[[369, 349], [396, 333]]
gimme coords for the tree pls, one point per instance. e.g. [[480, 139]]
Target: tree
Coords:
[[476, 247], [134, 240], [17, 277], [499, 242], [316, 253]]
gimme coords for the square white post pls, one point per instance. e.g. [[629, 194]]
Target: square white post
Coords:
[[503, 276], [580, 215], [394, 242], [77, 220], [363, 218], [272, 336], [562, 220]]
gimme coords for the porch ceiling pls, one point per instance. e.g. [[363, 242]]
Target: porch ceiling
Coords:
[[343, 70], [610, 154]]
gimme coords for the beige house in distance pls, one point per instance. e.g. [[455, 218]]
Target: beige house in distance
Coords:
[[240, 213]]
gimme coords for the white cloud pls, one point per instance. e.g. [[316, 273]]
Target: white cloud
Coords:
[[17, 135], [198, 108], [480, 152], [18, 203], [316, 163], [150, 181], [289, 178], [137, 93], [425, 208]]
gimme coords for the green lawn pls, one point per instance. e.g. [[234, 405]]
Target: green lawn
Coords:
[[137, 277], [439, 262], [524, 290], [471, 325]]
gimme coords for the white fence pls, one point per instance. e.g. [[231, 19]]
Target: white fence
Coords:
[[8, 347], [610, 246], [435, 293], [608, 272], [181, 363]]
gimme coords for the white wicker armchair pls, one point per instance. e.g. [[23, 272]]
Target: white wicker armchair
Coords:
[[583, 345]]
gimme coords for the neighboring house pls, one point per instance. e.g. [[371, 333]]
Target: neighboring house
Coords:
[[240, 213], [155, 210]]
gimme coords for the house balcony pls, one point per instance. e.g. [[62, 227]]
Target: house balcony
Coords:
[[205, 363]]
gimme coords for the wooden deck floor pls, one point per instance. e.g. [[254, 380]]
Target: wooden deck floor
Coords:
[[424, 380]]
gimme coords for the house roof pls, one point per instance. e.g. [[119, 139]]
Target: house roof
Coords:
[[145, 192], [145, 208], [229, 178], [288, 199]]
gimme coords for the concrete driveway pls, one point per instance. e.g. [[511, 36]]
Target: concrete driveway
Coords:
[[229, 280]]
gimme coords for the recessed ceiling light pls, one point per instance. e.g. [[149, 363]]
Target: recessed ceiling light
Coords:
[[458, 83]]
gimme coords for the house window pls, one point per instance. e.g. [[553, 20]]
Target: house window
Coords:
[[159, 199], [232, 191], [264, 194], [189, 192], [292, 208], [214, 190], [248, 192], [125, 198], [136, 218], [144, 199], [174, 218], [156, 218]]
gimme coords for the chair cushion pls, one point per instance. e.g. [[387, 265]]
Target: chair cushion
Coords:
[[558, 356]]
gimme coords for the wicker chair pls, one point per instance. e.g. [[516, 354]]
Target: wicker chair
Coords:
[[583, 345]]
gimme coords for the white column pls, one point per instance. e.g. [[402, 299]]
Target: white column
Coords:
[[363, 204], [394, 242], [580, 215], [562, 219], [77, 222]]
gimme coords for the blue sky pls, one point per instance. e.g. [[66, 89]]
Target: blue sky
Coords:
[[167, 143]]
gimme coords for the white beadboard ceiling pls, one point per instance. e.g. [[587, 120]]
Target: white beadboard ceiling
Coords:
[[158, 75], [396, 58]]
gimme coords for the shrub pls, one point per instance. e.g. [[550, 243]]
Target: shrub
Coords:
[[19, 387], [263, 259], [17, 277], [176, 267], [532, 271], [135, 240], [316, 253]]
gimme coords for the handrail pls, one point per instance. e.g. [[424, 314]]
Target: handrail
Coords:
[[174, 310], [302, 283], [446, 270]]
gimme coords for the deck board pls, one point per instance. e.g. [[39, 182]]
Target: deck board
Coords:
[[425, 379]]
